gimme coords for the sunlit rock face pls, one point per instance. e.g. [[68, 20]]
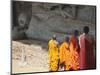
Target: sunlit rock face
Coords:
[[48, 19]]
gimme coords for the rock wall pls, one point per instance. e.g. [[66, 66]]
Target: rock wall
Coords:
[[47, 19], [87, 14]]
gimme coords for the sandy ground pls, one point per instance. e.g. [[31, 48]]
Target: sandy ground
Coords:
[[33, 59]]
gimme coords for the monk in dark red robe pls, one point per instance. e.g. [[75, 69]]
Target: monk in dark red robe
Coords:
[[87, 60]]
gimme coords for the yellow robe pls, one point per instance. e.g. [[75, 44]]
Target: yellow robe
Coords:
[[53, 55], [65, 55]]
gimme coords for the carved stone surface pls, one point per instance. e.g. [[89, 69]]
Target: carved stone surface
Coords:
[[42, 20]]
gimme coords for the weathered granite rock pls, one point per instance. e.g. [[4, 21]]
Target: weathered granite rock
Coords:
[[46, 19], [18, 34]]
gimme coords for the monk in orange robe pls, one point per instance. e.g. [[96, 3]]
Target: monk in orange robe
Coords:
[[74, 51], [53, 54], [65, 55], [87, 60]]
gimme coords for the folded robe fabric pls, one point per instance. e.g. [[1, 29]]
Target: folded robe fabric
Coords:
[[65, 55], [53, 55], [74, 49]]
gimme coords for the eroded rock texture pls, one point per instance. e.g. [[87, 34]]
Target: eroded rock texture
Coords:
[[35, 20]]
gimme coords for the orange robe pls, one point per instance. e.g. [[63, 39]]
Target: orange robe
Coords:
[[53, 55], [65, 55], [74, 49]]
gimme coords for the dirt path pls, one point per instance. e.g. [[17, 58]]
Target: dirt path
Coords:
[[36, 56]]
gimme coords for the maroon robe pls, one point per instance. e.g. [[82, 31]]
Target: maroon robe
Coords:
[[87, 60]]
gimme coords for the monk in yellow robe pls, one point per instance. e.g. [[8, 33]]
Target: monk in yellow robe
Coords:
[[74, 51], [65, 55], [53, 54]]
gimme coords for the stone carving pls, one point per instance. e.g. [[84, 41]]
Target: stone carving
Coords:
[[45, 19]]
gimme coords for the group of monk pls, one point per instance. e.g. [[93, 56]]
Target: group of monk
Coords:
[[74, 53]]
